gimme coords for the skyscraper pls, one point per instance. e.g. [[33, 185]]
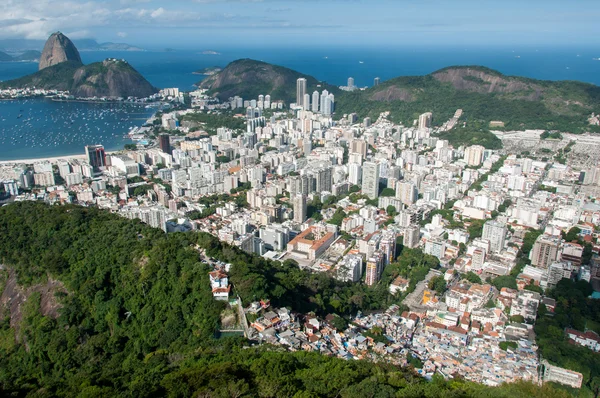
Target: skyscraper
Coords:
[[376, 81], [315, 101], [165, 143], [96, 156], [306, 102], [325, 103], [300, 90], [350, 82], [495, 232], [370, 179], [300, 208]]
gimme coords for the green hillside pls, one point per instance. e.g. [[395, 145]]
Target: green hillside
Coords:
[[484, 95], [98, 305], [248, 79]]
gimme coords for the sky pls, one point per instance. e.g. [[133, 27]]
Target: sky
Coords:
[[181, 24]]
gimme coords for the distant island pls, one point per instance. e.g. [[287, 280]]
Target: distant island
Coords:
[[211, 70], [26, 56], [210, 52]]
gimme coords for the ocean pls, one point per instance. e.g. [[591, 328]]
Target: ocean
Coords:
[[333, 65], [40, 128]]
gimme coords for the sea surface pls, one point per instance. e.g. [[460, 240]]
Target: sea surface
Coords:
[[39, 128], [333, 65]]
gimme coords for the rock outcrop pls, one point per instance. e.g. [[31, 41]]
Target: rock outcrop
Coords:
[[61, 69], [110, 78], [58, 49]]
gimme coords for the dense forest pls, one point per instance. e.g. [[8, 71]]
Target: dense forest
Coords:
[[107, 306]]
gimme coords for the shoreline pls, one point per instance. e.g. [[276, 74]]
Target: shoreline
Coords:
[[36, 160], [52, 159]]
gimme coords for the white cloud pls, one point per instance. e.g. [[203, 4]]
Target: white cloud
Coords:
[[122, 34]]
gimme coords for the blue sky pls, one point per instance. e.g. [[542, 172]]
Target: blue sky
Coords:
[[264, 23]]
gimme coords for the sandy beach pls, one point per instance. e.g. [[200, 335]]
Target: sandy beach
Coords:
[[52, 160]]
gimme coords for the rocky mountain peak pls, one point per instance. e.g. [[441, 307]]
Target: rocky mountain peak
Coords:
[[58, 48]]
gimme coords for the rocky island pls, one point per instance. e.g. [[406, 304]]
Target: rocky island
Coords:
[[61, 68]]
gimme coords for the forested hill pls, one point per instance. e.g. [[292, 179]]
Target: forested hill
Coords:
[[484, 95], [97, 305], [248, 79]]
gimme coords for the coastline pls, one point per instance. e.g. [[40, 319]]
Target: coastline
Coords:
[[35, 160]]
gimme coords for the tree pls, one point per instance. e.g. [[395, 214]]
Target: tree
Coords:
[[391, 211], [472, 277], [387, 192]]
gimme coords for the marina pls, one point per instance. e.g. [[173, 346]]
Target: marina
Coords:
[[36, 128]]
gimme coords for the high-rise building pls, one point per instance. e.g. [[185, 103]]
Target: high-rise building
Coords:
[[359, 146], [411, 236], [477, 259], [474, 155], [435, 247], [495, 232], [306, 102], [387, 246], [300, 208], [406, 192], [300, 90], [96, 156], [545, 251], [324, 179], [315, 101], [165, 143], [350, 82], [425, 121], [375, 266], [354, 173], [376, 81], [327, 103], [370, 179]]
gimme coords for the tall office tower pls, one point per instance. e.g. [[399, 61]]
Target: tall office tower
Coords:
[[315, 102], [165, 143], [425, 121], [359, 146], [545, 251], [300, 208], [370, 179], [306, 102], [96, 156], [411, 236], [495, 232], [350, 82], [300, 90], [331, 103], [406, 192], [474, 155], [376, 81], [354, 173]]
